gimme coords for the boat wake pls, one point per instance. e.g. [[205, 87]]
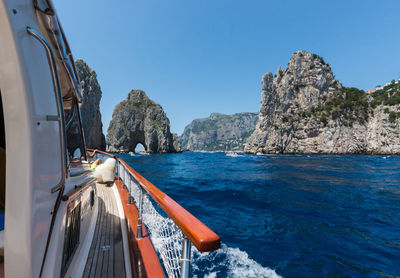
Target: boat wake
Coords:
[[228, 262], [225, 262], [234, 154]]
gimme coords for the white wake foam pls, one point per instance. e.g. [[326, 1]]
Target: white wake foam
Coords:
[[225, 262], [229, 262]]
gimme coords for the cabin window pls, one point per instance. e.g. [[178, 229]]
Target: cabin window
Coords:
[[75, 145], [68, 78], [2, 176], [2, 165], [44, 6], [72, 232], [92, 198]]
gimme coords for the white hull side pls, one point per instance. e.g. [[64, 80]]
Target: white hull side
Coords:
[[28, 96]]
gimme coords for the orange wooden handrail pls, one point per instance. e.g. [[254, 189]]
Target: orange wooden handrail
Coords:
[[144, 258], [199, 234]]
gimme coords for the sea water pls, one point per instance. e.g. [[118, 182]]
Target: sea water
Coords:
[[287, 215]]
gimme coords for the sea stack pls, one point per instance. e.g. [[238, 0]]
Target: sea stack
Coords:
[[140, 120], [90, 107], [304, 109]]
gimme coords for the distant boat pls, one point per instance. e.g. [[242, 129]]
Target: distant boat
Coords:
[[232, 154], [143, 153]]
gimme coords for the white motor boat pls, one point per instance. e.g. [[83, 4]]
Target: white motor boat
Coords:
[[56, 219]]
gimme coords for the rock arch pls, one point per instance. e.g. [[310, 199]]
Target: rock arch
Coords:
[[139, 147]]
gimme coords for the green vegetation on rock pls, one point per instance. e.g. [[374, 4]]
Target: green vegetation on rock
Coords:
[[388, 95], [353, 105], [219, 132], [304, 109]]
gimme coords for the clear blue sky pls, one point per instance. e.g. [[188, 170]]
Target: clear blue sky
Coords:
[[198, 57]]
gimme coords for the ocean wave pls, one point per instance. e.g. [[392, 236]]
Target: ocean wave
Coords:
[[224, 262], [228, 262]]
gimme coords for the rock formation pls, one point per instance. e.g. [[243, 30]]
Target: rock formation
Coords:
[[90, 107], [305, 110], [219, 132], [140, 120]]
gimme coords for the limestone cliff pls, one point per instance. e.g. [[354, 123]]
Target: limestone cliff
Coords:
[[305, 110], [140, 120], [219, 132], [90, 107]]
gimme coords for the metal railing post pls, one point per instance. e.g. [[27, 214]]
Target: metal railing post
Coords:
[[124, 177], [186, 257], [139, 233], [125, 182], [121, 172], [117, 168], [130, 201]]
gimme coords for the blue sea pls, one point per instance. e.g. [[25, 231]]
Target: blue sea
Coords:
[[287, 215]]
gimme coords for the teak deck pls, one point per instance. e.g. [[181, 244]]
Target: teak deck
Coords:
[[106, 256]]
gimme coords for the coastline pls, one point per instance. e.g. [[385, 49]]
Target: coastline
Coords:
[[280, 154]]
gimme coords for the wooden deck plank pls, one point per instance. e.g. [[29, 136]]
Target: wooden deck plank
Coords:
[[108, 262], [92, 250], [97, 243], [102, 254], [97, 252], [104, 239], [119, 266], [110, 269]]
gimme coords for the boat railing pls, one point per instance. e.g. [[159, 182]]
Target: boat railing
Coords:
[[172, 229]]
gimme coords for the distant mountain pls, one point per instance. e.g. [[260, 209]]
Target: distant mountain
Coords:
[[304, 109], [218, 132]]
